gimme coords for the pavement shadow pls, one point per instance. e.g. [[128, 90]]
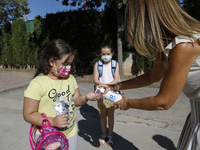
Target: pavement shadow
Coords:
[[90, 129], [164, 142]]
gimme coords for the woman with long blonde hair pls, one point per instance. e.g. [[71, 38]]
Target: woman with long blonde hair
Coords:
[[173, 39]]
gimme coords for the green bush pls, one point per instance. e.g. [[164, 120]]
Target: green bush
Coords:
[[19, 42], [83, 30], [6, 54]]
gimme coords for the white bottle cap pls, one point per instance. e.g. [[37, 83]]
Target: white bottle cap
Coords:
[[101, 89]]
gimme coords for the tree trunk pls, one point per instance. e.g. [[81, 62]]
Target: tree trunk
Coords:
[[119, 44]]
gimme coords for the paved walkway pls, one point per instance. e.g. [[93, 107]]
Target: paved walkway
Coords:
[[9, 82], [134, 129]]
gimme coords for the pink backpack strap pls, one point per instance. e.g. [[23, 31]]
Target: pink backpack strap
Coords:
[[45, 121], [31, 140], [33, 129]]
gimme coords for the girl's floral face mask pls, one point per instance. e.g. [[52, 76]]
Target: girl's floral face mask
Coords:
[[63, 70]]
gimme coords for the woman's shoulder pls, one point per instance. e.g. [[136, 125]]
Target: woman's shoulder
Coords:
[[187, 52], [185, 46], [181, 39]]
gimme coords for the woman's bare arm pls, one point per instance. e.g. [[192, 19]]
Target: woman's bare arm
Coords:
[[154, 75], [179, 63]]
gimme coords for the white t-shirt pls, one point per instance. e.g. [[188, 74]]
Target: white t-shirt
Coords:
[[107, 76]]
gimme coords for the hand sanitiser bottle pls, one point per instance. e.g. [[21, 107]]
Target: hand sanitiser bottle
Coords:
[[110, 95]]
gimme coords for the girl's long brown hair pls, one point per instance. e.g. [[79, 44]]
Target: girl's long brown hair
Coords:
[[155, 23], [54, 50]]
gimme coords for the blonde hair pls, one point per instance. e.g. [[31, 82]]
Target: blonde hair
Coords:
[[155, 23]]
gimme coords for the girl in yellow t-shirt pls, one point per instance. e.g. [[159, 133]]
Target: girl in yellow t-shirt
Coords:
[[55, 92]]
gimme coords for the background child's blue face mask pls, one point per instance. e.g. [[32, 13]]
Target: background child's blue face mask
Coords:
[[106, 58]]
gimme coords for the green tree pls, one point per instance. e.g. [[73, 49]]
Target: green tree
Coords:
[[80, 29], [32, 57], [6, 57], [109, 27], [192, 8], [118, 7], [87, 40], [1, 42], [37, 29], [148, 63], [20, 49], [139, 62], [178, 1], [12, 9], [35, 42], [142, 63]]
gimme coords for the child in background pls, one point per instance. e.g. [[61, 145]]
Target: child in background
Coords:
[[106, 71], [55, 92]]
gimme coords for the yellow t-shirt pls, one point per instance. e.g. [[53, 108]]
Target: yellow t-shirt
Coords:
[[56, 97]]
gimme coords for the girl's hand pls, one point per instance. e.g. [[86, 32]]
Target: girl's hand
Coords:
[[123, 104], [61, 121], [92, 96]]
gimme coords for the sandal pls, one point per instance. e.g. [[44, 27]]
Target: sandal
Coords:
[[102, 140], [110, 141]]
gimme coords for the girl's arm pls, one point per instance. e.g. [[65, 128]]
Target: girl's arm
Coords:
[[180, 60], [116, 76], [30, 111], [96, 74], [31, 114], [80, 100]]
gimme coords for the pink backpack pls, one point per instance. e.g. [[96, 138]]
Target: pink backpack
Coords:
[[47, 136]]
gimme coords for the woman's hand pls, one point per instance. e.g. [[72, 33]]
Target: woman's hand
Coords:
[[123, 104], [109, 87], [92, 96], [61, 121]]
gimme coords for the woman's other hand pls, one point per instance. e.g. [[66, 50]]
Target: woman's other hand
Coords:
[[123, 104]]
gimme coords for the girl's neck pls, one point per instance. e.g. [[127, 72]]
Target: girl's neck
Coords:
[[52, 76], [106, 63]]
